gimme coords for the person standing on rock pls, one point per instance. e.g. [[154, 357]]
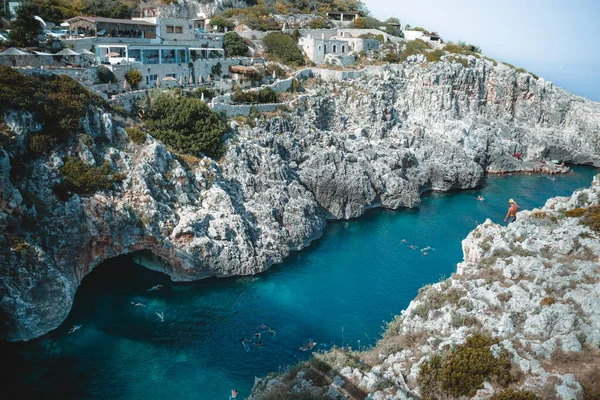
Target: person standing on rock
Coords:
[[511, 215]]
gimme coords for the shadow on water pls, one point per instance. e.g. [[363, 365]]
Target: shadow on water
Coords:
[[340, 290]]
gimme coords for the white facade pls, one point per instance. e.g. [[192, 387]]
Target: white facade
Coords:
[[413, 35], [318, 49]]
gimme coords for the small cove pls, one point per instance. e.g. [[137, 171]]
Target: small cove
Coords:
[[340, 290]]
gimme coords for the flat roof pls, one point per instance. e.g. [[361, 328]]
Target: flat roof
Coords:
[[111, 21]]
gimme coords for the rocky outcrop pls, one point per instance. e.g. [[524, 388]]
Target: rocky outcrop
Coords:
[[375, 141], [195, 8], [533, 285]]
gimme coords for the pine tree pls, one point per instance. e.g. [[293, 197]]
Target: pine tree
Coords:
[[25, 28]]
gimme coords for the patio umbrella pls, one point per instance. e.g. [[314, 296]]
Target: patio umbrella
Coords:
[[208, 79], [191, 80], [202, 97], [13, 52], [39, 53], [158, 83], [200, 79], [87, 52], [181, 80], [168, 78], [113, 54], [67, 52], [125, 84]]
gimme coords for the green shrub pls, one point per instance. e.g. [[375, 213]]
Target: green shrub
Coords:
[[460, 60], [133, 77], [320, 23], [221, 23], [462, 48], [575, 213], [463, 371], [591, 218], [57, 101], [510, 394], [547, 301], [434, 56], [367, 23], [282, 47], [83, 179], [412, 48], [264, 96], [234, 45], [186, 124], [136, 135], [40, 144], [105, 75]]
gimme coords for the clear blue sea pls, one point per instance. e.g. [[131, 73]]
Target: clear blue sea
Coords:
[[341, 290]]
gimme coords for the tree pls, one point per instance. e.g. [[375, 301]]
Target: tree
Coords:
[[283, 47], [221, 23], [186, 124], [133, 77], [24, 29], [234, 45]]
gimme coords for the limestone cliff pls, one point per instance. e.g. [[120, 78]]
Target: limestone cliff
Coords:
[[534, 286], [375, 141]]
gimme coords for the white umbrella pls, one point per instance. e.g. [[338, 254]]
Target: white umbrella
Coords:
[[39, 53], [181, 80], [202, 97], [113, 54], [65, 24], [67, 52], [87, 52], [191, 80], [158, 83], [125, 84], [13, 52], [200, 79], [168, 78]]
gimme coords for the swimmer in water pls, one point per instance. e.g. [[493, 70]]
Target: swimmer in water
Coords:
[[161, 316], [153, 288], [137, 304], [259, 344], [257, 335], [480, 198], [271, 331], [75, 328], [403, 241]]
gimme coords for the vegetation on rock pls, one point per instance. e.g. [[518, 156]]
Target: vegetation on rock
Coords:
[[133, 77], [136, 135], [263, 96], [234, 45], [463, 370], [186, 124], [57, 101], [282, 47], [83, 179]]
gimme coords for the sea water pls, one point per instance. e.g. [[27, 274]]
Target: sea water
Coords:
[[339, 291]]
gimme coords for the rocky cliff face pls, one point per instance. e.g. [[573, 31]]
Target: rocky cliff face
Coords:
[[376, 141], [533, 285], [195, 8]]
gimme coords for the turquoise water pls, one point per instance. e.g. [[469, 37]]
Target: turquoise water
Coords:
[[340, 290]]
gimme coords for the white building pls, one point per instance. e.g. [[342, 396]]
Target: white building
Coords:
[[318, 49]]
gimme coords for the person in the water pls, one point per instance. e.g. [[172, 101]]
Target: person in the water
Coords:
[[153, 288], [133, 303], [511, 214], [259, 344], [257, 335], [75, 328], [271, 331], [480, 198], [234, 394], [161, 316]]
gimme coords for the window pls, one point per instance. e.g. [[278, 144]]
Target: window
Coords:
[[319, 47], [179, 29], [169, 29], [343, 49], [171, 75], [334, 48], [325, 49]]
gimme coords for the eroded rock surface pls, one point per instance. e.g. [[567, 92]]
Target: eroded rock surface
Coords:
[[534, 286], [376, 141]]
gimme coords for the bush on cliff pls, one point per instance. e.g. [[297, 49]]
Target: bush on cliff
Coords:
[[83, 179], [186, 124], [234, 45], [133, 77], [282, 47], [56, 101], [264, 96], [463, 370]]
